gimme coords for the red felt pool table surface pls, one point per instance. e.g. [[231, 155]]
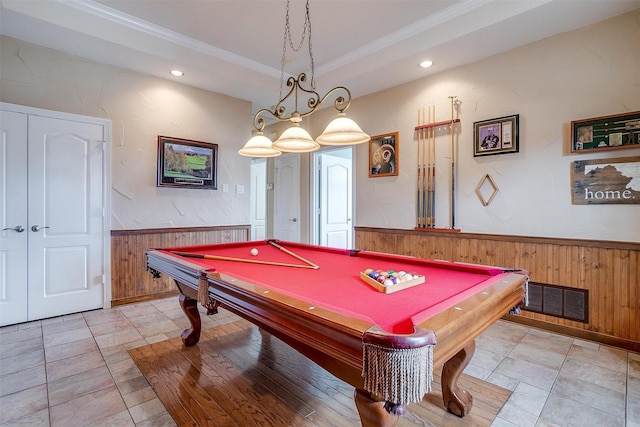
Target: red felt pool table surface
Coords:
[[336, 285]]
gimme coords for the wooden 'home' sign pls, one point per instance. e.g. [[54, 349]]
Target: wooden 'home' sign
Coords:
[[606, 181]]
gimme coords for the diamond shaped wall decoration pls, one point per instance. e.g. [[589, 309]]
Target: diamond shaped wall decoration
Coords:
[[486, 184]]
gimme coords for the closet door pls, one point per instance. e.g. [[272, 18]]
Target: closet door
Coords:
[[336, 189], [286, 216], [13, 217], [258, 203], [66, 214]]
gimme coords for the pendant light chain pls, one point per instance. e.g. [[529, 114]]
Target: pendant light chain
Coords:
[[308, 20], [288, 29], [287, 38]]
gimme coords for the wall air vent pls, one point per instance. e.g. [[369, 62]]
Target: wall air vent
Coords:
[[558, 301]]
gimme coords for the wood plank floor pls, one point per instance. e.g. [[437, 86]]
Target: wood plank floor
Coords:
[[239, 376]]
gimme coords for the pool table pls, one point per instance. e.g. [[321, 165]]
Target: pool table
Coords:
[[384, 344]]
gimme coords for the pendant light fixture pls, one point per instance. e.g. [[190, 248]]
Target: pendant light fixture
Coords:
[[341, 131]]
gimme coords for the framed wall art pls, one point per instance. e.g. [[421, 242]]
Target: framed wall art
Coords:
[[384, 155], [609, 181], [606, 133], [496, 136], [187, 164]]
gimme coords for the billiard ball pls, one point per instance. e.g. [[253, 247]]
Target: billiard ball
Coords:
[[254, 252]]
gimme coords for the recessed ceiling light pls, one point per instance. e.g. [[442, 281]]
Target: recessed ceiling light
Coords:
[[177, 73], [426, 64]]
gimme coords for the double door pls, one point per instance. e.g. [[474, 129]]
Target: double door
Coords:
[[52, 214]]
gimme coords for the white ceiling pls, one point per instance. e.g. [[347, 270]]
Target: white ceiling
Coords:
[[234, 47]]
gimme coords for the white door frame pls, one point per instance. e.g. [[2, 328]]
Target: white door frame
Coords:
[[106, 190]]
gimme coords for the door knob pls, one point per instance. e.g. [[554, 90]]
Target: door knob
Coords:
[[17, 228], [293, 219], [37, 228]]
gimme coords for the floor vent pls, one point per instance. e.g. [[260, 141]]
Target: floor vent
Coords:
[[558, 301]]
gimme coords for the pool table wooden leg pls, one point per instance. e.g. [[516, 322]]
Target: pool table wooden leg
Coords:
[[191, 336], [457, 401], [372, 412]]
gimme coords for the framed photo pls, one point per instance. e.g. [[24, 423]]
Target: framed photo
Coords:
[[606, 133], [187, 164], [496, 136], [384, 155]]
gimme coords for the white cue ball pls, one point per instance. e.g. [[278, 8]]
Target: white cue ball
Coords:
[[254, 252]]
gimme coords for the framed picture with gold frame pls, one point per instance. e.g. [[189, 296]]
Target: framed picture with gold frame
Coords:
[[496, 136], [384, 155]]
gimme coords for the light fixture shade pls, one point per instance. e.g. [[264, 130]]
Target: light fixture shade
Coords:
[[296, 140], [343, 131], [259, 146]]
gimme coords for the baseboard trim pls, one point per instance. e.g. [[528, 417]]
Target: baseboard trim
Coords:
[[576, 333], [149, 297]]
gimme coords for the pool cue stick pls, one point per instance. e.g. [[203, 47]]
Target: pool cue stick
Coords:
[[425, 167], [433, 156], [426, 119], [418, 188], [430, 160], [423, 188], [453, 167], [250, 261], [433, 170], [433, 151], [287, 251]]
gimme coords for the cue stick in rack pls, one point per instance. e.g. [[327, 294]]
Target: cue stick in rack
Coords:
[[425, 212], [453, 166], [287, 251], [418, 181], [424, 177], [431, 203], [426, 140], [249, 261]]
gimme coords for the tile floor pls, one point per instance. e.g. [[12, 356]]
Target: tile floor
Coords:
[[75, 371]]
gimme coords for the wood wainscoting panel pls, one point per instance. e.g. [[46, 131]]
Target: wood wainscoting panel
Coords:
[[130, 281], [609, 271]]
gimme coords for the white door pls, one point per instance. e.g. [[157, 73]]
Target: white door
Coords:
[[335, 199], [287, 198], [258, 204], [66, 214], [13, 217]]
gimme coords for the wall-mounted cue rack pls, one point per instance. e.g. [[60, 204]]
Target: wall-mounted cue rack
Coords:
[[426, 181]]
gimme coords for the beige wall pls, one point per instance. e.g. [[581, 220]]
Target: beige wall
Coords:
[[140, 108], [591, 72]]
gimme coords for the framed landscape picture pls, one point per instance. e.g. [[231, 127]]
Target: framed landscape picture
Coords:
[[187, 164]]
